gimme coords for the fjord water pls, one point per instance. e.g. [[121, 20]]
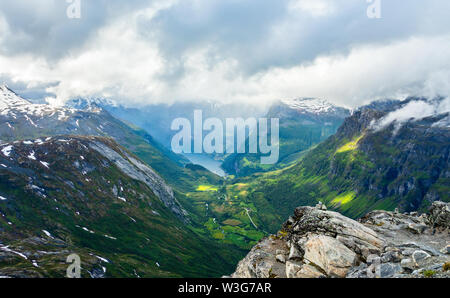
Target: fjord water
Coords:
[[207, 162]]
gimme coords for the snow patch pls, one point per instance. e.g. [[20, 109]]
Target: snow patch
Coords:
[[87, 230], [7, 150], [102, 259], [110, 237], [45, 164], [31, 156], [48, 234], [7, 249]]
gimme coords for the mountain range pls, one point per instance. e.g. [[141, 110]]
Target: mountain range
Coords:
[[304, 122], [66, 172], [86, 178]]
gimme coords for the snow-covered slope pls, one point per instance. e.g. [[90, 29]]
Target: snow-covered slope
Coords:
[[10, 99], [313, 106], [20, 118], [12, 105]]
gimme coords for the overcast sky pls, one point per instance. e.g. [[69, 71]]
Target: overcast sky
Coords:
[[140, 51]]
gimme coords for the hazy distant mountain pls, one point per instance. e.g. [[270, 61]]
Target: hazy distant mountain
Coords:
[[304, 122], [157, 119]]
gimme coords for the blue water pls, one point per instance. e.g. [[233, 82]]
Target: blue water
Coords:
[[207, 162]]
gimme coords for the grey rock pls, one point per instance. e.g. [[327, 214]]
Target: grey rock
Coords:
[[321, 206], [309, 271], [389, 270], [292, 268], [295, 253], [446, 250], [408, 252], [419, 256], [330, 255], [316, 221], [358, 272], [326, 244], [408, 264], [281, 258], [373, 259], [280, 252], [439, 214], [410, 247], [417, 228], [390, 256]]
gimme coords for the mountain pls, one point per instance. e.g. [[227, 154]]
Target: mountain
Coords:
[[21, 119], [316, 243], [88, 195], [304, 123], [157, 119], [23, 124], [380, 158]]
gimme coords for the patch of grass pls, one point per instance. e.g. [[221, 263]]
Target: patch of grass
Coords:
[[344, 198], [350, 146], [207, 188], [232, 222], [446, 266], [429, 273]]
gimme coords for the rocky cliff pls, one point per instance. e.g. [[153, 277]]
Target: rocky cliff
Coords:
[[315, 242]]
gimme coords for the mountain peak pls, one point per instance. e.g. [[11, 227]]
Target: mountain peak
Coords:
[[9, 98], [90, 104], [311, 105]]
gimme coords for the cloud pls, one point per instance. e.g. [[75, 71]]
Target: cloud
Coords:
[[139, 52], [413, 111], [317, 8], [42, 27]]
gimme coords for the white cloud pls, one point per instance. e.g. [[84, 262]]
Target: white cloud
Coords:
[[413, 111], [122, 62], [317, 8]]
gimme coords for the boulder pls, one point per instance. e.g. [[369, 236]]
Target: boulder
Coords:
[[281, 258], [309, 271], [388, 270], [320, 243], [312, 220], [295, 253], [334, 258], [408, 264], [292, 268], [419, 256], [439, 214]]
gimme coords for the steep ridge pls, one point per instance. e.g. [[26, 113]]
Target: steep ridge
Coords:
[[87, 195], [365, 166], [23, 124], [20, 119]]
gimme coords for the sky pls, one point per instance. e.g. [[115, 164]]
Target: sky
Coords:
[[138, 52]]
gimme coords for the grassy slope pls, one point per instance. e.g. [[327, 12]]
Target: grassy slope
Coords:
[[295, 138], [143, 237], [345, 177]]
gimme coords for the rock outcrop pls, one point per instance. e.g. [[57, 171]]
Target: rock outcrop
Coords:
[[316, 243]]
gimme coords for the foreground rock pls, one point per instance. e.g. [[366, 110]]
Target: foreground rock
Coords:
[[319, 243]]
